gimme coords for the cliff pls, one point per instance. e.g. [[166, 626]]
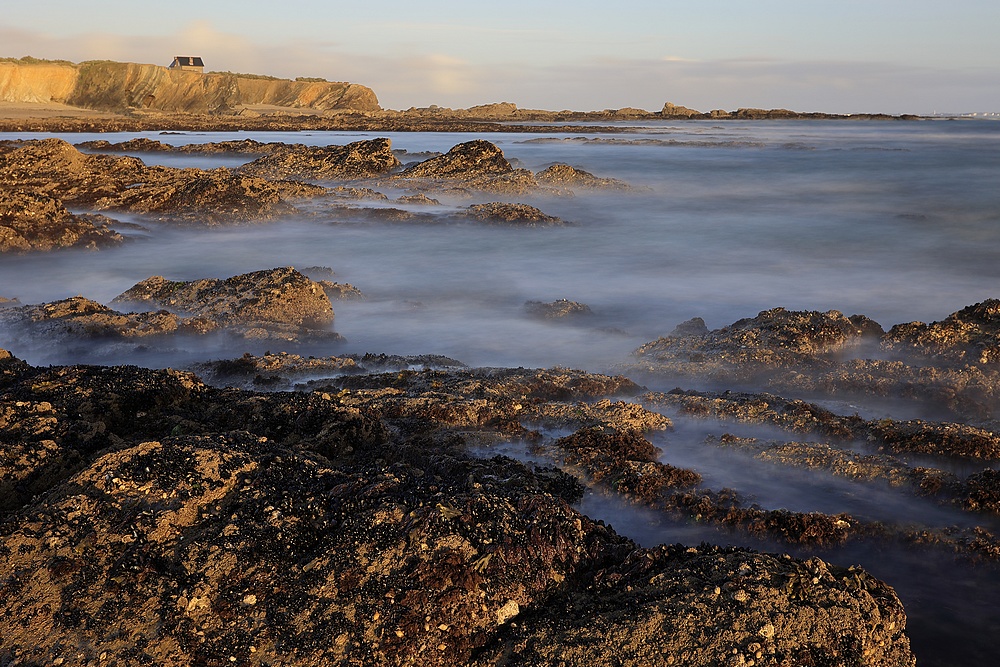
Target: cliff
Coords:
[[113, 86]]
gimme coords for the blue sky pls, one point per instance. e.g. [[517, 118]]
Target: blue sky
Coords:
[[892, 56]]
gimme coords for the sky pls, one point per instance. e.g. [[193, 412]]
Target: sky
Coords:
[[849, 56]]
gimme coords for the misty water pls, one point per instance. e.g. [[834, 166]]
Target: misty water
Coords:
[[899, 221]]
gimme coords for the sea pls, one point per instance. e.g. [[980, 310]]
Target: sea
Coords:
[[895, 220]]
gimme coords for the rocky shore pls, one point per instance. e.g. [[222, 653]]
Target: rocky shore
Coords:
[[286, 509]]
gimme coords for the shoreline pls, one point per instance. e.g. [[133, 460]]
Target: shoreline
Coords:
[[54, 117]]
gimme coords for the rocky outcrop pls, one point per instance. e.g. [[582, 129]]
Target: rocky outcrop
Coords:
[[671, 110], [114, 86], [502, 213], [471, 159], [361, 159], [33, 221], [773, 339], [473, 166], [123, 183], [276, 297], [565, 175], [971, 335]]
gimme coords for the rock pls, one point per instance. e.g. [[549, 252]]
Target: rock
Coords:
[[557, 309], [465, 161], [565, 175], [214, 197], [971, 335], [693, 327], [37, 222], [313, 529], [361, 159], [273, 297], [511, 214], [80, 317], [123, 183], [54, 167], [773, 339], [671, 110]]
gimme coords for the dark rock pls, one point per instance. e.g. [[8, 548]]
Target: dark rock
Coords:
[[752, 347], [234, 526]]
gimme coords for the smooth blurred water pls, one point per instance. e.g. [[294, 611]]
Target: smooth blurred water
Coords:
[[899, 221]]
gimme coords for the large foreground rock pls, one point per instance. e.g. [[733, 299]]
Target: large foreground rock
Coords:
[[160, 521]]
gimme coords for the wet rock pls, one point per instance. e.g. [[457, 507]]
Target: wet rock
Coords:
[[124, 183], [214, 197], [892, 435], [474, 166], [625, 461], [982, 491], [557, 309], [421, 199], [340, 290], [970, 335], [361, 159], [733, 614], [38, 222], [563, 175], [467, 160], [54, 167], [500, 213], [772, 339], [80, 317], [262, 298], [693, 327], [234, 526]]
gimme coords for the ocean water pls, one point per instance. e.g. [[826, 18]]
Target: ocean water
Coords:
[[899, 221]]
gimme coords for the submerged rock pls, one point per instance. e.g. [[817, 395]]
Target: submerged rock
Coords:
[[558, 309]]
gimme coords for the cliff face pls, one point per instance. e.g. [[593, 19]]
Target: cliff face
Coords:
[[41, 82], [111, 86]]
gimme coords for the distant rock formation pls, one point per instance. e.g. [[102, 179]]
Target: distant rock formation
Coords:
[[114, 86]]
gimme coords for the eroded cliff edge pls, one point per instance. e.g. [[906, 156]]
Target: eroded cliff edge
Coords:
[[114, 86]]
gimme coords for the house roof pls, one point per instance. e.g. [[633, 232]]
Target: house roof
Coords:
[[187, 61]]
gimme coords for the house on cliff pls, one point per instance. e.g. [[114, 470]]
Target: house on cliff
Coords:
[[188, 63]]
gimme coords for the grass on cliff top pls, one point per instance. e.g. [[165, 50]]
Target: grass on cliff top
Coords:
[[30, 60]]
